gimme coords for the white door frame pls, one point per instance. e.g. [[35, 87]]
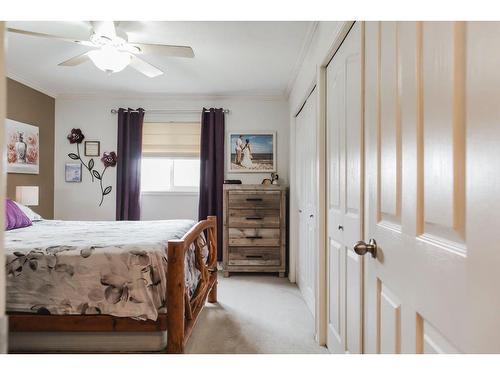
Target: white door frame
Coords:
[[3, 104], [293, 217], [321, 283], [322, 287], [307, 266]]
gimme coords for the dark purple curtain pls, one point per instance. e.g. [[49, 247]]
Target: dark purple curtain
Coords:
[[212, 169], [129, 150]]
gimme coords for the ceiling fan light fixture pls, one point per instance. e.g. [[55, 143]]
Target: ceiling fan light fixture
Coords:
[[109, 59]]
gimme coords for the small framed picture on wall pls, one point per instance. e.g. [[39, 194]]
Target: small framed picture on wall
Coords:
[[73, 172], [92, 148]]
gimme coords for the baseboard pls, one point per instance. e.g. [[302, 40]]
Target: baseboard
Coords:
[[3, 333]]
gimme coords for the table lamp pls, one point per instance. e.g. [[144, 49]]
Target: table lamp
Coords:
[[27, 195]]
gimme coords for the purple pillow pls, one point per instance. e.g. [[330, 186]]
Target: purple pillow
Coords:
[[14, 217]]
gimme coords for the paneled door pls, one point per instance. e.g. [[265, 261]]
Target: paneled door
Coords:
[[344, 151], [432, 120], [307, 199]]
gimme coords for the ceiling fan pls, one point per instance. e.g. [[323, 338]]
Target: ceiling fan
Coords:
[[112, 52]]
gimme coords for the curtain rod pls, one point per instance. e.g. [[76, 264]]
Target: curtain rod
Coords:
[[115, 111]]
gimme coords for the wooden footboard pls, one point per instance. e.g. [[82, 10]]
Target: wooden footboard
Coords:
[[182, 311]]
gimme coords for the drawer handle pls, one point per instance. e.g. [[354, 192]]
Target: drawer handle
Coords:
[[253, 256], [254, 237], [254, 218], [254, 199]]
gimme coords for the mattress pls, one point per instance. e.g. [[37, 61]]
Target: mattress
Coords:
[[94, 267]]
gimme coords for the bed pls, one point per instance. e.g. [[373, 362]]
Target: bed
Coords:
[[134, 279]]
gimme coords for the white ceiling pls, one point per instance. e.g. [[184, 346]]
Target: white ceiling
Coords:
[[231, 58]]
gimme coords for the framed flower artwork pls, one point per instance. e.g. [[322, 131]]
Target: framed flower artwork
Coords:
[[23, 147]]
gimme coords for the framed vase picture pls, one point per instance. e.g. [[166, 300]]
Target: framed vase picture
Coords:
[[252, 152], [23, 147], [73, 172]]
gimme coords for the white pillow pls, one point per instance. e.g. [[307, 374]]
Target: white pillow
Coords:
[[32, 215]]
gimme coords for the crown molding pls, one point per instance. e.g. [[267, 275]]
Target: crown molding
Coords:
[[162, 96], [306, 45], [30, 83], [264, 96]]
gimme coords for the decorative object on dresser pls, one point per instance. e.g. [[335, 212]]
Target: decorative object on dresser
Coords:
[[274, 178], [254, 238], [232, 182], [266, 181]]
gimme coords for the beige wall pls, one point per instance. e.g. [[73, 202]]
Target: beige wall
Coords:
[[27, 105]]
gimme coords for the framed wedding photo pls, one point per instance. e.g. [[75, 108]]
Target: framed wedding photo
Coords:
[[92, 148], [253, 152]]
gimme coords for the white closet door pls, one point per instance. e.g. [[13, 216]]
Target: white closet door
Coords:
[[432, 122], [307, 199], [345, 195]]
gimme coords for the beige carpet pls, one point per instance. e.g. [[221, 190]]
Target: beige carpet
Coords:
[[255, 314]]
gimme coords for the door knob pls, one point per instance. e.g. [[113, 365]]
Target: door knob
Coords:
[[341, 227], [361, 247]]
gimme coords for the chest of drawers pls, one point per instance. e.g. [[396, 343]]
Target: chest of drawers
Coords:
[[254, 229]]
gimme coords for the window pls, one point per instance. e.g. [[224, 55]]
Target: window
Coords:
[[169, 174], [170, 157]]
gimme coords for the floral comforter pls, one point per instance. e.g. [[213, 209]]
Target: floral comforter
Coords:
[[93, 267]]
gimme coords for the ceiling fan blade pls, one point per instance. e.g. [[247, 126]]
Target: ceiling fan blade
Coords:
[[49, 36], [144, 67], [104, 28], [77, 60], [164, 50]]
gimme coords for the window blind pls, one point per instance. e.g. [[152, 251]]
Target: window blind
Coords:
[[171, 139]]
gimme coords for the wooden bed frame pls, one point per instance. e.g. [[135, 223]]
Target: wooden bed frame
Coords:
[[182, 312]]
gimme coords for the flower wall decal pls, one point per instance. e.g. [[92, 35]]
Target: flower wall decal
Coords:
[[76, 137], [109, 159]]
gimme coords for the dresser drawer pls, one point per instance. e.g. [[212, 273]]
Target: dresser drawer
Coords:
[[254, 199], [254, 237], [254, 218], [254, 256]]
